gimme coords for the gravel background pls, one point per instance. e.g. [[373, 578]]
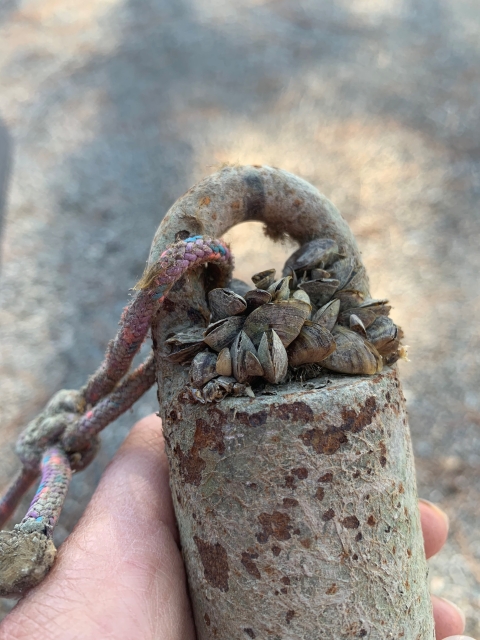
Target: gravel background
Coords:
[[111, 109]]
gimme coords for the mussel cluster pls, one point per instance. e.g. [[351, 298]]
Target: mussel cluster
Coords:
[[318, 313]]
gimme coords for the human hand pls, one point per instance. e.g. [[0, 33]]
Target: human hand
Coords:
[[120, 574]]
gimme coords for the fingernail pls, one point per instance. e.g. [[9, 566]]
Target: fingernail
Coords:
[[434, 507], [459, 638], [460, 612]]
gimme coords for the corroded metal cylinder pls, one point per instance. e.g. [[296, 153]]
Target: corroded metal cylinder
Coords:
[[298, 513]]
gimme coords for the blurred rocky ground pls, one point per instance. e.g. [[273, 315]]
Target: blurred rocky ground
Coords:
[[111, 109]]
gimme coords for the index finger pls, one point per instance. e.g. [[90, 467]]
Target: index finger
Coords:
[[435, 525]]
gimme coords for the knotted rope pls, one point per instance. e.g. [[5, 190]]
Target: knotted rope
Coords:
[[64, 437]]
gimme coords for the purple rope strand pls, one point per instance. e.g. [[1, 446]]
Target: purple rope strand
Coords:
[[47, 503], [107, 410], [137, 316], [17, 488]]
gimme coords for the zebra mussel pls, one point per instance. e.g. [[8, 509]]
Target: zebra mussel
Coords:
[[318, 316]]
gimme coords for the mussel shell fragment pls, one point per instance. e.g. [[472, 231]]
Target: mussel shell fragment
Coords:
[[349, 299], [203, 368], [320, 274], [224, 303], [280, 290], [328, 314], [357, 325], [300, 294], [185, 345], [221, 334], [285, 317], [255, 298], [224, 363], [367, 316], [359, 281], [264, 279], [320, 291], [318, 252], [313, 344], [384, 335], [353, 355], [273, 357], [245, 363], [342, 270]]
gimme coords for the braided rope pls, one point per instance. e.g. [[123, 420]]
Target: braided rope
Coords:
[[47, 502], [136, 319], [12, 496], [108, 409], [55, 442]]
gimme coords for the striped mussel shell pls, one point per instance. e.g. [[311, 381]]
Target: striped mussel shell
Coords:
[[185, 345], [273, 357], [221, 334], [203, 368], [285, 317], [280, 290], [224, 303], [256, 298], [316, 253], [353, 354], [384, 335], [245, 362], [313, 344], [264, 279], [328, 314]]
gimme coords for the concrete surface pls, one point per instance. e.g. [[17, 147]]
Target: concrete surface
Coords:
[[111, 109]]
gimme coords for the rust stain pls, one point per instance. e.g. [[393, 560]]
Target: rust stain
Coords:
[[290, 482], [206, 617], [358, 537], [323, 442], [351, 522], [320, 494], [327, 477], [204, 201], [215, 563], [328, 515], [289, 616], [332, 589], [249, 564], [208, 435], [276, 550], [306, 543], [290, 502], [383, 451], [371, 521], [252, 419], [301, 473], [356, 421], [295, 412], [274, 524], [285, 580]]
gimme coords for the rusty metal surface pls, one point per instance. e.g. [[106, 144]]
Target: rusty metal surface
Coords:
[[111, 109]]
